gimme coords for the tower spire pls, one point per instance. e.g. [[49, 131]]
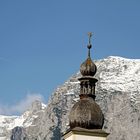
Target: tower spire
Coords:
[[91, 116]]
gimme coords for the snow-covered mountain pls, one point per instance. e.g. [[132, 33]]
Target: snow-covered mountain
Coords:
[[117, 93], [8, 123]]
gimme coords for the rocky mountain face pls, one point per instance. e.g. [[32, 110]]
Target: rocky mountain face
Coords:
[[117, 93]]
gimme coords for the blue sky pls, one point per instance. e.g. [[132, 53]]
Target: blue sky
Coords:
[[42, 43]]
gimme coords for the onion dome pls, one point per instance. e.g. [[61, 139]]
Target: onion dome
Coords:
[[88, 68], [86, 113]]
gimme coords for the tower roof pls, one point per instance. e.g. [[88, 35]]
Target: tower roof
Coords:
[[86, 113]]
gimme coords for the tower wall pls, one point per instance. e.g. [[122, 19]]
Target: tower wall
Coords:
[[85, 134], [82, 137]]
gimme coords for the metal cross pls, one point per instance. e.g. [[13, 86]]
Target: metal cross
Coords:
[[89, 35]]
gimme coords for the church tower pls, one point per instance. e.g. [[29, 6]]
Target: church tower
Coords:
[[86, 118]]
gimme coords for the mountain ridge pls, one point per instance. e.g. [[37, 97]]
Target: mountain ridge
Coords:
[[117, 93]]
